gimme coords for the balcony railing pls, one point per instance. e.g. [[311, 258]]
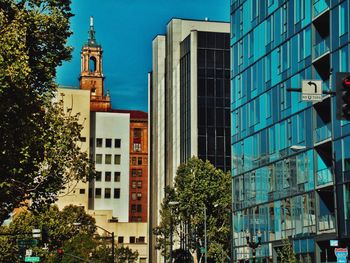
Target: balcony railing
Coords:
[[323, 133], [324, 177], [320, 6], [321, 47]]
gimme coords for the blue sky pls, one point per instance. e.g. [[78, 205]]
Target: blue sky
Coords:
[[125, 29]]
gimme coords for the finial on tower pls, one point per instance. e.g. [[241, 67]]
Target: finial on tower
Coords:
[[92, 39]]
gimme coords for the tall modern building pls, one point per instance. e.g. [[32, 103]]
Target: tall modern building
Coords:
[[189, 104], [290, 158]]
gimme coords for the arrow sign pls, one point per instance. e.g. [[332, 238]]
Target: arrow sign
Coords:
[[311, 90]]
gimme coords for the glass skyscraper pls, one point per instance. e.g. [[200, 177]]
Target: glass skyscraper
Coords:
[[290, 158]]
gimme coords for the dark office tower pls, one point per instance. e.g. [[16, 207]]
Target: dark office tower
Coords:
[[291, 172], [189, 104]]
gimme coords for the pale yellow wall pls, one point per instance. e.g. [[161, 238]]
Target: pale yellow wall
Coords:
[[78, 101], [125, 230]]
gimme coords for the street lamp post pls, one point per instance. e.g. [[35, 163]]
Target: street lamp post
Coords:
[[252, 244], [205, 235], [111, 238]]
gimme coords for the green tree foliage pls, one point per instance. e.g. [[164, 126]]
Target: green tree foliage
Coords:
[[71, 230], [286, 253], [198, 184], [38, 142], [126, 255]]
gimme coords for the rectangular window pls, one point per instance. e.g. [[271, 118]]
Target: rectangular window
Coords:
[[120, 240], [98, 159], [139, 160], [82, 139], [117, 159], [139, 173], [108, 176], [133, 172], [107, 193], [139, 196], [137, 133], [82, 191], [141, 240], [98, 193], [137, 147], [139, 184], [116, 176], [133, 184], [133, 196], [133, 208], [116, 143], [139, 208], [132, 240], [116, 193], [342, 19], [98, 176], [133, 160], [108, 159], [108, 143], [98, 142]]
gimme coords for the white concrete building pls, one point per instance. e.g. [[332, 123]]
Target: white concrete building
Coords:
[[110, 147]]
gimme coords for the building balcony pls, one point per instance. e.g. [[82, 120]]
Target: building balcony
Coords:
[[320, 6], [326, 223], [321, 48], [323, 133], [324, 177]]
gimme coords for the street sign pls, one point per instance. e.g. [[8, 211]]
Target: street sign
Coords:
[[333, 243], [32, 259], [29, 252], [341, 254], [27, 242], [311, 90], [202, 249]]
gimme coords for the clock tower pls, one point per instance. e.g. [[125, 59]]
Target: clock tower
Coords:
[[91, 74]]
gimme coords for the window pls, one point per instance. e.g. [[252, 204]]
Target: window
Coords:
[[108, 176], [116, 176], [132, 240], [139, 173], [99, 142], [82, 191], [137, 133], [117, 159], [116, 193], [141, 240], [98, 176], [108, 159], [137, 147], [107, 193], [82, 139], [116, 143], [143, 260], [121, 240], [139, 160], [139, 208], [108, 143], [133, 183], [133, 196], [133, 208], [133, 161], [139, 184], [98, 158], [133, 172], [98, 192], [139, 196]]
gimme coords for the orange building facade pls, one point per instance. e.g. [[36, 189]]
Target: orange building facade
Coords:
[[138, 178]]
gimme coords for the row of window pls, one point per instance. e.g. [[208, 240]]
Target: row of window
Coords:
[[107, 193], [108, 176], [138, 161], [136, 208], [107, 159], [136, 184], [132, 240], [108, 143], [136, 196], [136, 172]]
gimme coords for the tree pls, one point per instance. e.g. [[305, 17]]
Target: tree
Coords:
[[198, 185], [286, 253], [39, 144], [126, 255]]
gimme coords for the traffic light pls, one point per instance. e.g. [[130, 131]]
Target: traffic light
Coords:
[[343, 95]]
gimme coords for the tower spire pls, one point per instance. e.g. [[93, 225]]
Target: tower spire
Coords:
[[92, 39]]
